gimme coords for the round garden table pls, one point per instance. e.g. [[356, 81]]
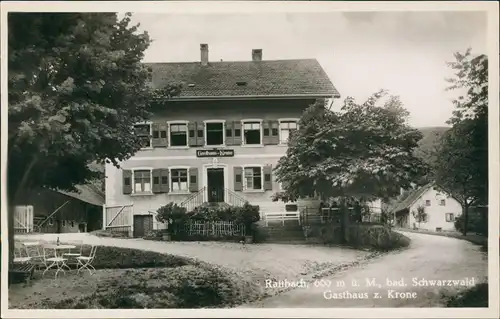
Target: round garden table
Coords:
[[58, 261]]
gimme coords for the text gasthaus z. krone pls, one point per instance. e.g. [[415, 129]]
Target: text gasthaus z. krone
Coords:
[[375, 288]]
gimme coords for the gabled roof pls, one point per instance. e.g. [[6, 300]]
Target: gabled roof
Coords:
[[279, 78], [411, 198], [88, 193]]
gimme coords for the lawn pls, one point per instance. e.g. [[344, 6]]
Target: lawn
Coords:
[[476, 297], [129, 278]]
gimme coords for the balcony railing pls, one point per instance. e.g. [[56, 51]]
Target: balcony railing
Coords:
[[213, 195]]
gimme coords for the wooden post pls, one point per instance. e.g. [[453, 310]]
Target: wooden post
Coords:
[[104, 217]]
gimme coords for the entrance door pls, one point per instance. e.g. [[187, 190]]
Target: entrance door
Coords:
[[215, 185], [142, 225]]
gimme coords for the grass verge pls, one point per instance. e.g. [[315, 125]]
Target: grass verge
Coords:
[[476, 297]]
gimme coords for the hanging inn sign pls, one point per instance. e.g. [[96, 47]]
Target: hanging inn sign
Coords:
[[214, 153]]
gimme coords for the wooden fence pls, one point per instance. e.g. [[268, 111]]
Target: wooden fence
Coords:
[[213, 229], [118, 218], [23, 219]]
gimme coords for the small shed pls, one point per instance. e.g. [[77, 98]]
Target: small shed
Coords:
[[56, 211]]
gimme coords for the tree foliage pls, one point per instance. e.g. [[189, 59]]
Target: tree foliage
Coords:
[[76, 86], [462, 163], [363, 151]]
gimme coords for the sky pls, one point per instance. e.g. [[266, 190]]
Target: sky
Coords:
[[362, 52]]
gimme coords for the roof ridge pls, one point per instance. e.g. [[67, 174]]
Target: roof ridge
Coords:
[[232, 61]]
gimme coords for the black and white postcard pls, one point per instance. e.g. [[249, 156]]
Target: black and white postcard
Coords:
[[250, 159]]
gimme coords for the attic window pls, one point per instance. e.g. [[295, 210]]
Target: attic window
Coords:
[[241, 83]]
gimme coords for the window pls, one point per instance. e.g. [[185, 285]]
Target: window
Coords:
[[51, 221], [143, 131], [286, 127], [252, 134], [142, 181], [72, 224], [214, 133], [179, 179], [291, 208], [63, 223], [442, 202], [253, 178], [427, 203], [178, 134], [450, 217]]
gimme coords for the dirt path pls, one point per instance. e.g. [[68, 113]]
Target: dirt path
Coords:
[[429, 257], [254, 263]]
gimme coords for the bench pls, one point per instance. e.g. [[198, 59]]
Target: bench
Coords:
[[21, 273], [281, 216]]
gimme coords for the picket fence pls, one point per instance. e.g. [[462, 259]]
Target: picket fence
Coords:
[[214, 229]]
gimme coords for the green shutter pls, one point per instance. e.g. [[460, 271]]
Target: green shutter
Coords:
[[229, 139], [127, 181], [156, 174], [200, 134], [164, 181], [274, 137], [238, 178], [268, 182], [237, 129], [192, 140], [193, 179], [266, 133], [155, 140]]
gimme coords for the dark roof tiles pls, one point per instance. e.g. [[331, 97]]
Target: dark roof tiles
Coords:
[[263, 78]]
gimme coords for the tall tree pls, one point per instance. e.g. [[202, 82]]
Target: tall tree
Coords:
[[462, 162], [363, 151], [76, 87]]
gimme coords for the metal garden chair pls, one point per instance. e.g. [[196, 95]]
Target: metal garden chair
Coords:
[[85, 262]]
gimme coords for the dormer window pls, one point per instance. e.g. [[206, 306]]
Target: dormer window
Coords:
[[241, 83], [191, 85]]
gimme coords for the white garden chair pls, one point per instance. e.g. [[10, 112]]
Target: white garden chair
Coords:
[[52, 260], [20, 254], [73, 254], [85, 262], [34, 251]]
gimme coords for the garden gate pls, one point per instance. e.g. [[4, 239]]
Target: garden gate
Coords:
[[119, 218]]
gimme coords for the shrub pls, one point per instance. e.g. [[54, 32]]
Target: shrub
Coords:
[[477, 223], [477, 296], [171, 215]]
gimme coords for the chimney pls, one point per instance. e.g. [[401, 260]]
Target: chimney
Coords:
[[257, 55], [204, 54]]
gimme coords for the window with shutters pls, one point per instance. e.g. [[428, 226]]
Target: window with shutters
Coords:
[[252, 178], [450, 217], [142, 181], [252, 132], [286, 127], [178, 132], [214, 133], [179, 180], [143, 131]]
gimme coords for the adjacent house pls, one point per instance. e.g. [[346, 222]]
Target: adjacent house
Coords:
[[218, 141], [427, 207], [55, 211]]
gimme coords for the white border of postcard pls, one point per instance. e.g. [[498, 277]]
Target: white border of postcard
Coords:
[[207, 7]]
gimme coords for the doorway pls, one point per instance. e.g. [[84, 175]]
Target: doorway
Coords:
[[143, 224], [215, 185]]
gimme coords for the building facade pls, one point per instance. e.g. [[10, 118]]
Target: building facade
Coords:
[[220, 139], [440, 210]]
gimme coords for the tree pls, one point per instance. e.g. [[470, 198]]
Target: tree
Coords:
[[461, 167], [76, 87], [420, 215], [363, 151]]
